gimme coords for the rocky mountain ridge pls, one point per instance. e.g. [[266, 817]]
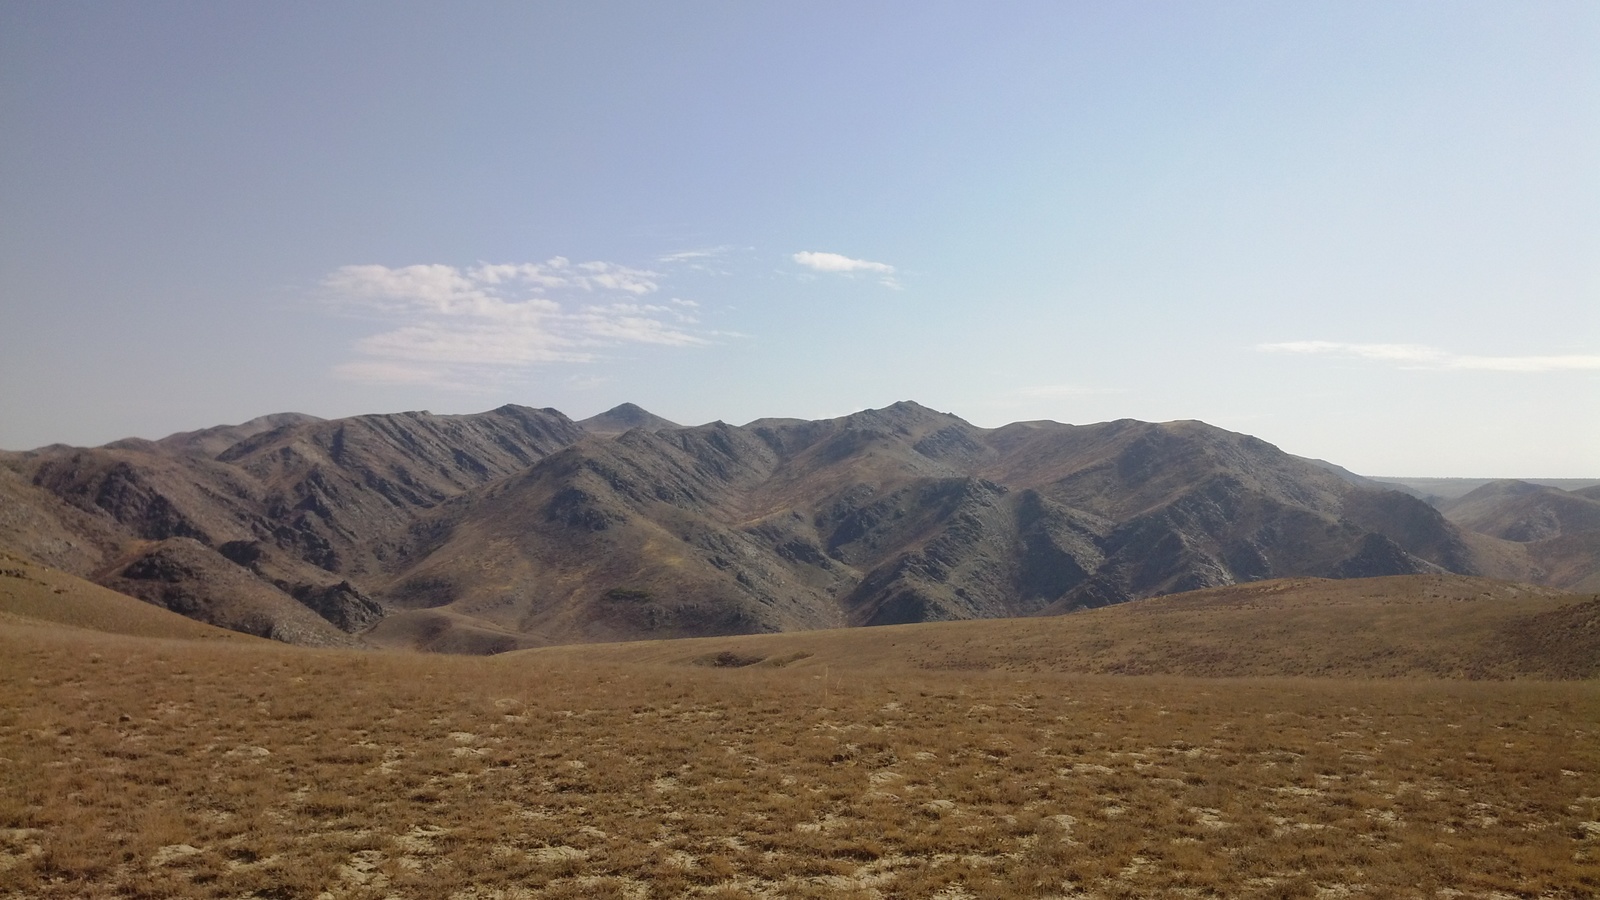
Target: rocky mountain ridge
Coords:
[[518, 526]]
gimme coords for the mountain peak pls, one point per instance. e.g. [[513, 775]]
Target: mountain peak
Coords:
[[625, 417]]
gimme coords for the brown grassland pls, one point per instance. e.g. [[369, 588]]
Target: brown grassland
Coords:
[[963, 760]]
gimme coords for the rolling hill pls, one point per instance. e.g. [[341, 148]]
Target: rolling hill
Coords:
[[1403, 626]]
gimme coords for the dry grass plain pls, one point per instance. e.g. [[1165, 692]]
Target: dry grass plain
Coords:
[[144, 767]]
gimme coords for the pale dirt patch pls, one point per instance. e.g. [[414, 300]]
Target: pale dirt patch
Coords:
[[1085, 769], [362, 871], [560, 853], [419, 840], [18, 845], [828, 822], [681, 860], [172, 853]]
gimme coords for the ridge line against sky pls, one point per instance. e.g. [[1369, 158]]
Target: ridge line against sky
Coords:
[[1365, 232]]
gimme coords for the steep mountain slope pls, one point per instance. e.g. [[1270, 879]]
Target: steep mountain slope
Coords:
[[186, 577], [518, 527], [1197, 506], [898, 515], [340, 494], [32, 594], [278, 524]]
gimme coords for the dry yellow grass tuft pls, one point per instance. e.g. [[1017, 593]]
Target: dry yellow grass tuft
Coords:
[[140, 768]]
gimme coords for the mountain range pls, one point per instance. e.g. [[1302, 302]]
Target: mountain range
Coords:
[[520, 527]]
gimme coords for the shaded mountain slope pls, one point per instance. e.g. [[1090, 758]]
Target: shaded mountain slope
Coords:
[[898, 515], [188, 578], [518, 526], [1523, 512], [340, 493], [34, 594], [295, 510], [36, 525], [614, 537], [1539, 532], [1197, 506], [151, 495]]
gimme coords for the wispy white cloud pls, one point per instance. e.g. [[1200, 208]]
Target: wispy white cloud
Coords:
[[835, 262], [839, 264], [707, 260], [588, 382], [691, 255], [461, 327], [1421, 356]]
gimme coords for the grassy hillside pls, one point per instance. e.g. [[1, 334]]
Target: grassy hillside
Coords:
[[1418, 626], [38, 595], [952, 760], [264, 771]]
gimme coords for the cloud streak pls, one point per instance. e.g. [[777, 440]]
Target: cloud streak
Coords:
[[839, 264], [476, 326], [1422, 356]]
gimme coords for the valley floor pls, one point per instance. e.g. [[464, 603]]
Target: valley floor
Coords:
[[150, 768]]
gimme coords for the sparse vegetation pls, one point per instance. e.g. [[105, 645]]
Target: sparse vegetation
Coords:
[[137, 767]]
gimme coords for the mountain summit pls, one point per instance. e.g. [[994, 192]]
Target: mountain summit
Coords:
[[624, 417]]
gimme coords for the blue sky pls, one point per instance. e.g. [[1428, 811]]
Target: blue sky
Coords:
[[1367, 232]]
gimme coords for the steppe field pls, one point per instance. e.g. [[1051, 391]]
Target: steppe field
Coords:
[[1417, 737]]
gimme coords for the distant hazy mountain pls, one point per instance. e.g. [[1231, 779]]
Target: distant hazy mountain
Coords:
[[1440, 491], [518, 526]]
